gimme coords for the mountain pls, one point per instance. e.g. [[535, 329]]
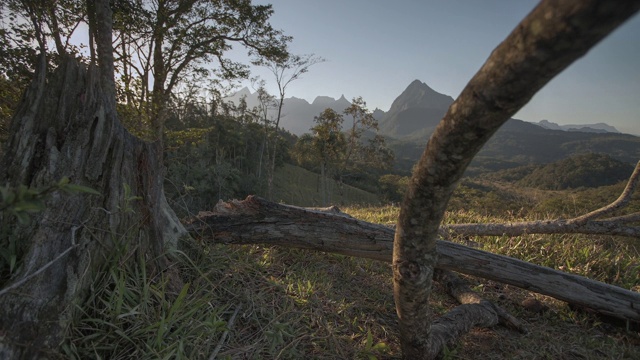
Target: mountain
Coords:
[[415, 113], [519, 143], [419, 107], [599, 127], [297, 114]]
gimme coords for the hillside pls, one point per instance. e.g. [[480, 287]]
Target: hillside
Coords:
[[586, 170], [294, 185], [520, 143]]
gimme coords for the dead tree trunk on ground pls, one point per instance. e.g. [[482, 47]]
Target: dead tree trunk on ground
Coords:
[[258, 221]]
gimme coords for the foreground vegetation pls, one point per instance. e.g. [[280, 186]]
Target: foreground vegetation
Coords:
[[256, 302]]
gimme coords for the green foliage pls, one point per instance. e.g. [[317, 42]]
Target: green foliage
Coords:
[[393, 187], [357, 157], [133, 313], [226, 159], [10, 92]]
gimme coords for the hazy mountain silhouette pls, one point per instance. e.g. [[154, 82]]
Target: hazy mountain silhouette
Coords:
[[297, 114], [599, 127], [414, 115], [418, 108], [416, 112]]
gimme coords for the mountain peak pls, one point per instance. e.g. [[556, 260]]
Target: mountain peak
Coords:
[[323, 100], [244, 91], [419, 94]]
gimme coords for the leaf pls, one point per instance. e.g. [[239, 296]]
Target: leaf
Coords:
[[381, 346], [28, 206], [75, 188], [63, 181]]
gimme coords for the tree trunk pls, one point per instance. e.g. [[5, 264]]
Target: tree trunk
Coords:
[[67, 126], [257, 221]]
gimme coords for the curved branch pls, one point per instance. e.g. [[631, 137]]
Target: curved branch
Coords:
[[548, 40], [621, 202]]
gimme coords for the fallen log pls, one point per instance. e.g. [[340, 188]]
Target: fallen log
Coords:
[[258, 221]]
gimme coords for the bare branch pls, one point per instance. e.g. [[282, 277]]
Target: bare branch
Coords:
[[549, 39], [622, 201]]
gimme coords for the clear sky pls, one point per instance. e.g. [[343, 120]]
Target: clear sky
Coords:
[[376, 48]]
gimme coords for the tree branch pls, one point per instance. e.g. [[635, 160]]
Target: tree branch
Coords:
[[621, 202]]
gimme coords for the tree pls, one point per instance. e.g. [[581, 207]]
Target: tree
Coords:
[[358, 157], [339, 154], [328, 145], [266, 103], [285, 71], [67, 125], [164, 42]]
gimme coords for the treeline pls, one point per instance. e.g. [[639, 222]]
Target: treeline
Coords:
[[224, 151], [219, 154]]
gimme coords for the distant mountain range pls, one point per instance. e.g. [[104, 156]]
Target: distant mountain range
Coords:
[[416, 112], [594, 128], [413, 114], [297, 114]]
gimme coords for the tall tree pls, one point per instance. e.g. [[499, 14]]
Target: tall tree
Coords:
[[363, 156], [285, 71], [67, 125], [328, 145]]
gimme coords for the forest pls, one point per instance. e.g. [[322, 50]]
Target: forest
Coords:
[[143, 215]]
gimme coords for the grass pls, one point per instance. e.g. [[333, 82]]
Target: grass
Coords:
[[297, 186], [293, 304]]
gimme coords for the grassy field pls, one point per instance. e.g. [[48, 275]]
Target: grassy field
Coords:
[[262, 302], [297, 186]]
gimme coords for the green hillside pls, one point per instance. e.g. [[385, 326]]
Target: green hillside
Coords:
[[297, 186], [586, 170]]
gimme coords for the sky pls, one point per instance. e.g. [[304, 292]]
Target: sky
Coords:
[[376, 48]]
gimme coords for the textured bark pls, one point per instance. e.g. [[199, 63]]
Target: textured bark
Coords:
[[258, 221], [549, 39], [67, 126]]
